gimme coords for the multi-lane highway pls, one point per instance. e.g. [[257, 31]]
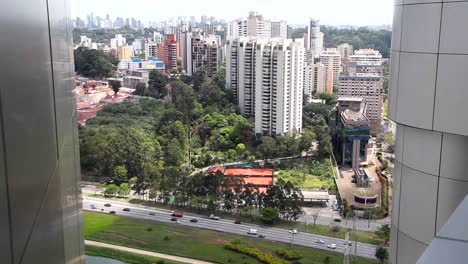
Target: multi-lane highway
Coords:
[[228, 226]]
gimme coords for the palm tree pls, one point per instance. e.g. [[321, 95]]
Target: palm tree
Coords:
[[381, 254]]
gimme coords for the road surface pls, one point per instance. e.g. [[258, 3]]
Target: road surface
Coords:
[[228, 226]]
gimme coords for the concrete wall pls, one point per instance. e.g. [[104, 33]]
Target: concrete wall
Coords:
[[40, 195], [428, 91]]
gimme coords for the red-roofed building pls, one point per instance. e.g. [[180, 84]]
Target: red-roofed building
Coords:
[[262, 178]]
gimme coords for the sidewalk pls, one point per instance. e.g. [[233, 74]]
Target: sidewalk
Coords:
[[147, 253]]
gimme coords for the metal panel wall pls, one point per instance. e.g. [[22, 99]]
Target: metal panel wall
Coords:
[[39, 168]]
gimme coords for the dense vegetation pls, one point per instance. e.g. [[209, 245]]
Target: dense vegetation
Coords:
[[308, 174], [360, 38], [94, 63]]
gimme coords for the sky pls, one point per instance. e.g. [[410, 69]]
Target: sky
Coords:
[[295, 12]]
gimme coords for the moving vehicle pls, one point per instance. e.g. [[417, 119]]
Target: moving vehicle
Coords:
[[112, 212], [126, 209], [337, 220], [261, 235], [237, 222], [93, 206], [319, 241], [252, 232], [173, 219], [152, 213], [107, 205], [177, 214], [213, 217], [350, 243], [294, 231], [332, 246], [194, 220]]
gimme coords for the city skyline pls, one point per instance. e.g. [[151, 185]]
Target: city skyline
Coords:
[[327, 11]]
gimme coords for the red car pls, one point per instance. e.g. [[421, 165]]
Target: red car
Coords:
[[177, 214]]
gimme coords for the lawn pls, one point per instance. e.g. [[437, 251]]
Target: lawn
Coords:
[[187, 241], [301, 179], [126, 257], [362, 236]]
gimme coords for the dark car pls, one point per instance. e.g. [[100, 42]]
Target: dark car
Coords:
[[112, 212], [173, 219], [237, 222], [152, 213], [126, 209], [194, 220], [337, 220], [261, 235], [107, 205]]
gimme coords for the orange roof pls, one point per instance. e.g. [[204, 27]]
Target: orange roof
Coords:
[[249, 172], [259, 180], [214, 169]]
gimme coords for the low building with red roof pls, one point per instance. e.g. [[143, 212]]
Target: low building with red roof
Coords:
[[262, 178]]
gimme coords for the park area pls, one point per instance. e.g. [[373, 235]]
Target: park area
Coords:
[[194, 242], [308, 174]]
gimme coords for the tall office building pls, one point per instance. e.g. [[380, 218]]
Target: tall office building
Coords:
[[331, 59], [427, 100], [117, 41], [40, 192], [315, 41], [314, 79], [370, 88], [266, 76]]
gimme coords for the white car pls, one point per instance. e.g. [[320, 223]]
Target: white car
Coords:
[[252, 232], [332, 246], [320, 241], [294, 231], [93, 206]]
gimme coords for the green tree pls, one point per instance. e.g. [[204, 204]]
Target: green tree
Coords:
[[111, 190], [100, 187], [174, 155], [209, 93], [115, 85], [326, 260], [157, 84], [183, 98], [94, 63], [141, 89], [267, 149], [381, 254], [383, 232], [269, 215], [141, 55], [124, 190], [120, 174], [198, 78], [334, 229], [330, 98]]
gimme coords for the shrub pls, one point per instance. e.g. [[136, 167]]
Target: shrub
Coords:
[[160, 262], [255, 253], [149, 229], [166, 238], [288, 254]]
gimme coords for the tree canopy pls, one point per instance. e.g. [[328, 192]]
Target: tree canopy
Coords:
[[94, 63]]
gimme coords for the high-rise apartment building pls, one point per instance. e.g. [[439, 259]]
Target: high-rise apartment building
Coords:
[[158, 37], [314, 79], [366, 86], [279, 29], [118, 41], [345, 50], [315, 41], [366, 55], [266, 76], [152, 50], [255, 25], [331, 59], [427, 99], [200, 51], [40, 192], [124, 52], [169, 52]]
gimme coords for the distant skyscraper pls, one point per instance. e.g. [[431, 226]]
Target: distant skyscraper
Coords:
[[315, 42], [193, 21], [170, 52], [204, 19], [127, 21], [255, 25], [266, 77], [331, 59], [279, 29]]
